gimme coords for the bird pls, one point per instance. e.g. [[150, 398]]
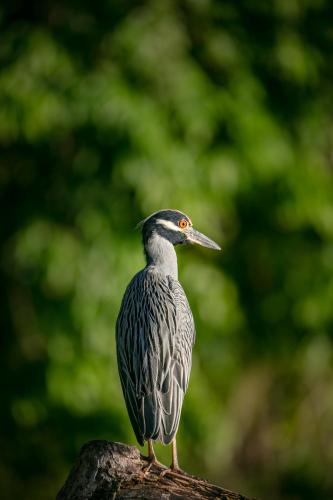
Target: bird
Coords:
[[155, 333]]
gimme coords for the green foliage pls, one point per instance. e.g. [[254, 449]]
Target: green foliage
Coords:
[[110, 111]]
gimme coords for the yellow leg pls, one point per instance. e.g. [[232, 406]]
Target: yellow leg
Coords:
[[174, 463], [151, 459], [151, 452], [174, 467]]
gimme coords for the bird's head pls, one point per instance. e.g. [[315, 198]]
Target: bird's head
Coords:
[[175, 227]]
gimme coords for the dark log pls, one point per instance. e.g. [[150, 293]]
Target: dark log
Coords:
[[107, 471]]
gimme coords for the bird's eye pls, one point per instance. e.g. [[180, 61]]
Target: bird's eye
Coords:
[[183, 223]]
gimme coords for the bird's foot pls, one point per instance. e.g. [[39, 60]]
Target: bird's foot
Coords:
[[172, 470], [150, 462]]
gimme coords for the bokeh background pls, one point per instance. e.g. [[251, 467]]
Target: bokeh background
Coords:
[[110, 110]]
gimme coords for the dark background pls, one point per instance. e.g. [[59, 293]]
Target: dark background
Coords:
[[110, 110]]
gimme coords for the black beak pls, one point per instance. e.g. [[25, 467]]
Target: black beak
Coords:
[[193, 236]]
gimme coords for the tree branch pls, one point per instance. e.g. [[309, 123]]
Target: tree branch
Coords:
[[106, 470]]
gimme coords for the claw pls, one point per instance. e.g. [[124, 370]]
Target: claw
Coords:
[[172, 470], [146, 468], [151, 459]]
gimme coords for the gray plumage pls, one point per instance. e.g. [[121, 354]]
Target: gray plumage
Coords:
[[155, 331]]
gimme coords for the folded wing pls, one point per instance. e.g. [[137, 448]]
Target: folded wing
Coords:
[[155, 334]]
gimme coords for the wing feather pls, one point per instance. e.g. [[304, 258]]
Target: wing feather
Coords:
[[155, 334]]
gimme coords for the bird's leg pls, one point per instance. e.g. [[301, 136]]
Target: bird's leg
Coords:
[[174, 463], [151, 458], [174, 467], [151, 452]]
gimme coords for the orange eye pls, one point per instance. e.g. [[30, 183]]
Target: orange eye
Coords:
[[183, 223]]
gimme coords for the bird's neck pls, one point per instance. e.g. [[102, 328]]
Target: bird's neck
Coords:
[[160, 253]]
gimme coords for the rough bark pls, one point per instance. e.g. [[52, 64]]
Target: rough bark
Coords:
[[106, 470]]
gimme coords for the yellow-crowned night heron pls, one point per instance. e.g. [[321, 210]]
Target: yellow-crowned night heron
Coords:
[[155, 333]]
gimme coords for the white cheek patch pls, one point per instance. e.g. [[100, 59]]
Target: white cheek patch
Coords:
[[168, 224]]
